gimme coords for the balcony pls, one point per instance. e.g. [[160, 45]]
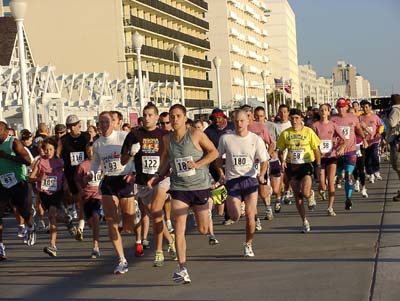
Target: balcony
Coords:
[[165, 31], [265, 45], [156, 4], [237, 81], [168, 55], [235, 48], [200, 3], [255, 84], [264, 32], [189, 82], [266, 59], [253, 69], [241, 21], [256, 3], [264, 19], [234, 32], [252, 40], [236, 65], [233, 15], [249, 10], [250, 25], [252, 54]]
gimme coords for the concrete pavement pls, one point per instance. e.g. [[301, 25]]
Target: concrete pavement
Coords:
[[353, 256]]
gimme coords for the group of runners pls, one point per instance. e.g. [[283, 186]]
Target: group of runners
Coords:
[[169, 166]]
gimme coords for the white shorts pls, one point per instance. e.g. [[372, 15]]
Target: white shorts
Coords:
[[145, 194]]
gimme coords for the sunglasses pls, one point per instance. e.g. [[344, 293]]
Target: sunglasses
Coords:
[[164, 122]]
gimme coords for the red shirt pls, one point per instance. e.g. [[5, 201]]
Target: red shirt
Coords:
[[90, 189]]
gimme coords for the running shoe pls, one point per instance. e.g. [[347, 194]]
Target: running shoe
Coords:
[[330, 212], [311, 201], [138, 213], [145, 243], [51, 251], [348, 204], [242, 209], [181, 276], [158, 259], [70, 226], [172, 249], [258, 224], [364, 192], [72, 212], [21, 231], [30, 237], [248, 250], [356, 186], [278, 207], [286, 198], [306, 226], [372, 179], [79, 234], [3, 252], [95, 254], [269, 215], [228, 222], [121, 268], [170, 227], [212, 240], [378, 176], [139, 250], [322, 195]]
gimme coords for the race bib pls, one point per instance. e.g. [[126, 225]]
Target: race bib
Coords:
[[112, 165], [297, 156], [49, 183], [76, 158], [326, 146], [8, 180], [182, 169], [96, 177], [240, 160], [150, 164], [345, 131]]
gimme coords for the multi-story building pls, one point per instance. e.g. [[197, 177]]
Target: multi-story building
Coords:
[[96, 36], [282, 39], [238, 36], [313, 90], [344, 79]]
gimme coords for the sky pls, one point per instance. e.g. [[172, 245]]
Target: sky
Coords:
[[364, 33]]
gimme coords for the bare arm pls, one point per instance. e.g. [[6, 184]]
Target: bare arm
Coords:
[[21, 154], [207, 146], [164, 162]]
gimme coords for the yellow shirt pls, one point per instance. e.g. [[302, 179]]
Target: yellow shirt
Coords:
[[300, 145]]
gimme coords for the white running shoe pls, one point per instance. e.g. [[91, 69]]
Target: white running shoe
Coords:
[[258, 225], [357, 186], [248, 250], [372, 179], [364, 192], [311, 201], [121, 268], [21, 231], [181, 276], [306, 227], [330, 212], [242, 209], [378, 176]]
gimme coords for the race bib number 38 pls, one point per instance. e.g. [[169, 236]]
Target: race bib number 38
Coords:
[[150, 164], [76, 158], [182, 168], [49, 183], [8, 180]]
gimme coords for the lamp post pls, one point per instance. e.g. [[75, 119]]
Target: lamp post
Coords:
[[217, 64], [302, 94], [137, 44], [264, 75], [18, 10], [180, 53], [291, 93], [244, 70]]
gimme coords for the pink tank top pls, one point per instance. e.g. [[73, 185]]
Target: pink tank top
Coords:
[[50, 175]]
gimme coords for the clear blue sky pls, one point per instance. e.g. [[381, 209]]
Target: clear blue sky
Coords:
[[364, 33]]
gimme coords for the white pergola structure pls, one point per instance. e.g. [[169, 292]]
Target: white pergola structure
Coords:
[[52, 97]]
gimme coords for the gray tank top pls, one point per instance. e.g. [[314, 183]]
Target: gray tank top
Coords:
[[183, 178]]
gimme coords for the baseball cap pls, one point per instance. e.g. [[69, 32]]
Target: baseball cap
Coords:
[[60, 128], [218, 113], [342, 102], [25, 134], [72, 119]]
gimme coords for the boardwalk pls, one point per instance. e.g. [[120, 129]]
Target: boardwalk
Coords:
[[353, 256]]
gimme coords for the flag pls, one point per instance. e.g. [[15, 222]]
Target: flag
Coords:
[[288, 87], [278, 83]]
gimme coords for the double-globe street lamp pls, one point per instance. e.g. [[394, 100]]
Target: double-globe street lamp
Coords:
[[264, 75], [217, 64], [137, 41], [18, 10], [244, 69], [180, 53]]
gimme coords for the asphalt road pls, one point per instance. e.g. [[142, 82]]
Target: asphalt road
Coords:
[[353, 256]]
